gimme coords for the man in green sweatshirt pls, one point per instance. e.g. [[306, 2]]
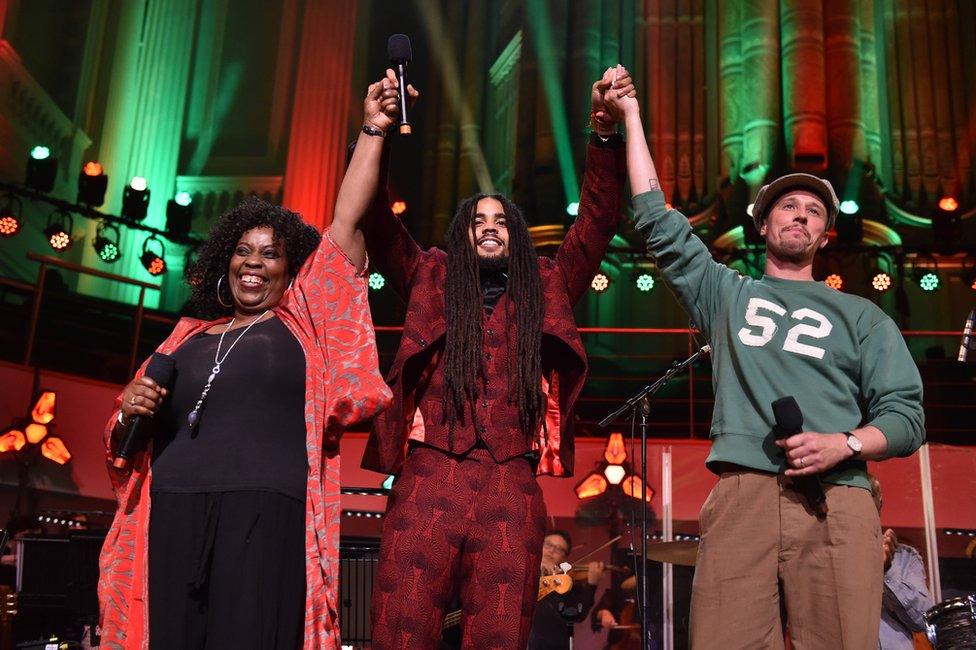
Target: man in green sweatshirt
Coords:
[[763, 549]]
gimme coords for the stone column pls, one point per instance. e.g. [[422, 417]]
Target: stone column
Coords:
[[142, 131], [323, 94]]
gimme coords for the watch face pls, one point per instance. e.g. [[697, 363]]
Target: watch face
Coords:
[[854, 443]]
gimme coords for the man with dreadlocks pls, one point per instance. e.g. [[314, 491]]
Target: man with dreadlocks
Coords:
[[489, 366]]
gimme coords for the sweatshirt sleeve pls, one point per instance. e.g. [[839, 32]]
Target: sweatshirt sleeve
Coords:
[[892, 388], [700, 283]]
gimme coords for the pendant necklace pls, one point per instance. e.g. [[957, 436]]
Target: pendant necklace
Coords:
[[194, 415]]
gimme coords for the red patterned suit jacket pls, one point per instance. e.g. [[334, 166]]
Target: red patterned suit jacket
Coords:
[[327, 311], [420, 276]]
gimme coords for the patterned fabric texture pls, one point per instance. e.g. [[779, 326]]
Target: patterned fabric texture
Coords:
[[459, 521], [327, 311], [419, 276]]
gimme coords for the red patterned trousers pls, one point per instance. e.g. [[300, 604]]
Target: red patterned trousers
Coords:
[[459, 526]]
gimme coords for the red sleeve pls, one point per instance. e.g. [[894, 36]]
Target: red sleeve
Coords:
[[584, 246]]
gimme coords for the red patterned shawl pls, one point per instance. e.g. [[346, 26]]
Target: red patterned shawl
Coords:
[[327, 311]]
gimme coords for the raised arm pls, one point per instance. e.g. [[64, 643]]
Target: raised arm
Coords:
[[362, 180], [699, 282], [584, 246]]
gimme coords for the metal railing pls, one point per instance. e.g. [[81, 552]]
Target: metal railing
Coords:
[[46, 261]]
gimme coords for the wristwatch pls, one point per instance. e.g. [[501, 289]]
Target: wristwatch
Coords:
[[854, 443]]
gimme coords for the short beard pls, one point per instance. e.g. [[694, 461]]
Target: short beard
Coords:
[[498, 263]]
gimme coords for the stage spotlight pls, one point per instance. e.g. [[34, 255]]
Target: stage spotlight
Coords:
[[600, 282], [179, 215], [835, 281], [42, 169], [10, 211], [106, 243], [849, 206], [398, 207], [573, 209], [881, 281], [153, 262], [376, 281], [645, 282], [92, 183], [58, 230], [929, 281], [948, 204], [135, 199]]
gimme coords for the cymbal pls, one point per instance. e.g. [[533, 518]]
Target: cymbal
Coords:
[[682, 553]]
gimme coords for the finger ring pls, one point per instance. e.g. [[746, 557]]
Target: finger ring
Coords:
[[802, 463], [132, 400]]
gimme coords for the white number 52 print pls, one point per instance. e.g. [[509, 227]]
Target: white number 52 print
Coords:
[[767, 328]]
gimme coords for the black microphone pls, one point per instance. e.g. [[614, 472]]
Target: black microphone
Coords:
[[967, 336], [789, 422], [160, 369], [398, 49]]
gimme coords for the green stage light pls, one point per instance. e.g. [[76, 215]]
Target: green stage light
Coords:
[[179, 215], [849, 206], [645, 282], [106, 243], [42, 169], [573, 209], [376, 281], [135, 199], [929, 281]]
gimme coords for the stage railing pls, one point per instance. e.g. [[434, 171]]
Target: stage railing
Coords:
[[46, 261]]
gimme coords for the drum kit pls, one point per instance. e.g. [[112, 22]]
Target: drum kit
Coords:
[[951, 625]]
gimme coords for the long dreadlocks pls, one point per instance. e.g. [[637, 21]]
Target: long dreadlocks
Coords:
[[464, 312]]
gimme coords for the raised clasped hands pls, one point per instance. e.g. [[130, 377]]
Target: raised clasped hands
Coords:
[[381, 108], [612, 94]]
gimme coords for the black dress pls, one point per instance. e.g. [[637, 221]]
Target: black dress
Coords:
[[227, 513]]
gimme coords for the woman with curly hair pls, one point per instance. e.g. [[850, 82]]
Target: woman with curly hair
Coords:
[[226, 534]]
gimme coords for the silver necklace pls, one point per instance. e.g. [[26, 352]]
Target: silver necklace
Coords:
[[194, 415]]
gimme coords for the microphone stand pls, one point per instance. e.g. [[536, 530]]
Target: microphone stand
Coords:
[[643, 400]]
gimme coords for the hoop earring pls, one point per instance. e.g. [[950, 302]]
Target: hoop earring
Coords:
[[222, 303]]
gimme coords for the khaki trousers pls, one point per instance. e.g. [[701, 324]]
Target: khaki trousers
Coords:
[[765, 560]]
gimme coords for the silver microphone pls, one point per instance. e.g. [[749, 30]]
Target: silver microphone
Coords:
[[967, 336]]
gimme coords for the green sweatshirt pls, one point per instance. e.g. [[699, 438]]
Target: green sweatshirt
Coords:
[[839, 355]]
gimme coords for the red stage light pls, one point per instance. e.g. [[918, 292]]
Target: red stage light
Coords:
[[948, 204], [9, 225], [54, 449], [633, 487], [834, 281], [399, 207], [615, 453], [92, 168], [593, 485], [43, 411], [12, 440]]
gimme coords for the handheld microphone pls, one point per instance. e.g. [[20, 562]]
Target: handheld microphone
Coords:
[[400, 53], [789, 422], [967, 336], [160, 369]]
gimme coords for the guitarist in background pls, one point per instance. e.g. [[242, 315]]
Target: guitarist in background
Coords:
[[557, 613]]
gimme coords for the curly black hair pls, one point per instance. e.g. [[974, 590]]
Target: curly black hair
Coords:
[[213, 256]]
